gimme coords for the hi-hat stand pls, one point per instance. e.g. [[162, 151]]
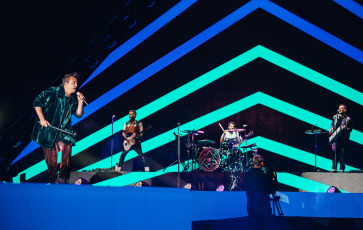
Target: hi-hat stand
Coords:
[[113, 116]]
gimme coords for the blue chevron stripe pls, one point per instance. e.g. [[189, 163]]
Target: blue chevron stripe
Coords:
[[352, 6], [198, 40], [141, 36]]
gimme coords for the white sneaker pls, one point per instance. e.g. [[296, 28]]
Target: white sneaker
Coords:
[[147, 169], [117, 169]]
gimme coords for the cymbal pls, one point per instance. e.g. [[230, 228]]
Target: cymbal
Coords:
[[236, 130], [192, 131], [206, 142]]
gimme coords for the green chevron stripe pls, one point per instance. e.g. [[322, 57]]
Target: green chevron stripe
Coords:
[[205, 79]]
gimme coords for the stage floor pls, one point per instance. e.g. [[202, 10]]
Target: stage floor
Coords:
[[209, 181]]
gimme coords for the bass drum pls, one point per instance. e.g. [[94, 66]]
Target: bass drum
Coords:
[[209, 159]]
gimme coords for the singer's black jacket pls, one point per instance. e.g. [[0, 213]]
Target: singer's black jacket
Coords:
[[53, 102]]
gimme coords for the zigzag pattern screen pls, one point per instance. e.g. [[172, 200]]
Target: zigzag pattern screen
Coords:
[[280, 67]]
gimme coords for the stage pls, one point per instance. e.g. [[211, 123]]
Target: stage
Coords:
[[209, 181], [210, 84], [65, 206]]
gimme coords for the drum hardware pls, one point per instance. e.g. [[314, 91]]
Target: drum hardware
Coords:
[[206, 142], [248, 146], [192, 149], [236, 130], [195, 132], [235, 158], [229, 158], [235, 163], [177, 137], [235, 180]]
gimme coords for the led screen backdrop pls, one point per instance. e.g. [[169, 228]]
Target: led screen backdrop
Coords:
[[279, 67]]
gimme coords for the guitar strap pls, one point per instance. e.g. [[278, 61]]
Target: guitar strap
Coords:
[[347, 118], [134, 129]]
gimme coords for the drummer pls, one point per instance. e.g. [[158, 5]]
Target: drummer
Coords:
[[228, 135]]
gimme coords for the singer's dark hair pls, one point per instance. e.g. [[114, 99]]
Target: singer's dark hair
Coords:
[[230, 123], [343, 105], [68, 75], [132, 111]]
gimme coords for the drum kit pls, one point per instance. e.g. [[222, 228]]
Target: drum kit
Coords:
[[228, 158]]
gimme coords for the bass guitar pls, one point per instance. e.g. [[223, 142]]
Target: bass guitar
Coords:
[[132, 139]]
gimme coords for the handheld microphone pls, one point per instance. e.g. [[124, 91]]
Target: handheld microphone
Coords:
[[82, 99]]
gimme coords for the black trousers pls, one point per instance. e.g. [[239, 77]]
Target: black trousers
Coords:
[[338, 149], [137, 148]]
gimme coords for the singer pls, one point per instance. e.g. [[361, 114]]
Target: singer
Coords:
[[55, 106]]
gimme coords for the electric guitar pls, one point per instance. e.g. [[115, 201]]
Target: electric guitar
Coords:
[[132, 140]]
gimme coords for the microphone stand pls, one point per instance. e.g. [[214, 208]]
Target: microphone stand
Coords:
[[112, 140], [177, 136], [245, 126], [178, 140], [316, 146], [335, 149]]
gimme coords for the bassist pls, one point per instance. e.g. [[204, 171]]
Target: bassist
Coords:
[[340, 143], [132, 132]]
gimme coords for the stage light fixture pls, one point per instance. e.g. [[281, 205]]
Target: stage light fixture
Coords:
[[150, 3], [92, 61], [188, 186], [109, 41], [80, 181], [220, 188], [141, 184], [130, 20], [333, 189]]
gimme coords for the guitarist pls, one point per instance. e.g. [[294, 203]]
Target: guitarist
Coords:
[[132, 127], [339, 145]]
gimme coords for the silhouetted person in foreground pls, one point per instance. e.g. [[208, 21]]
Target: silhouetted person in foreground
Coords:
[[259, 185]]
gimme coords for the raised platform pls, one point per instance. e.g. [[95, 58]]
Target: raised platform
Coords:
[[209, 181], [350, 182], [97, 177]]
